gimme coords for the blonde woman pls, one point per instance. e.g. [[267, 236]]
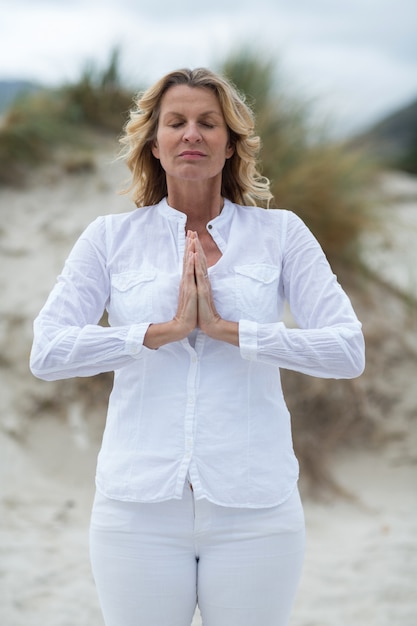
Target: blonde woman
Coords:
[[196, 499]]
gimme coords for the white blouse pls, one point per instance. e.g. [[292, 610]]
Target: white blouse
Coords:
[[202, 408]]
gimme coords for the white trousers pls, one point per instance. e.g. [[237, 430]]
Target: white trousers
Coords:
[[152, 563]]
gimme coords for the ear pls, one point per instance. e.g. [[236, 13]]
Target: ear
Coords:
[[155, 149], [230, 150]]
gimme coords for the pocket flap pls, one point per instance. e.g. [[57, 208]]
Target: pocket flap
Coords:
[[260, 272], [127, 280]]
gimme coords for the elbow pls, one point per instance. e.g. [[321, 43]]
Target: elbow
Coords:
[[46, 360], [357, 366], [35, 363], [44, 374], [355, 353], [37, 367], [41, 364], [362, 360], [360, 353]]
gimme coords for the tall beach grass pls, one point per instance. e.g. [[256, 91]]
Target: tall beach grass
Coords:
[[68, 118]]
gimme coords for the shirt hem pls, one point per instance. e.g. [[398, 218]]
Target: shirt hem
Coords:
[[246, 505]]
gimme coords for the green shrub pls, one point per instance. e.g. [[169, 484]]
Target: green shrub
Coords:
[[38, 123], [98, 98], [30, 130]]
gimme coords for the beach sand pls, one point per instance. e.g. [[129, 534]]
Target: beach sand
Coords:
[[361, 559]]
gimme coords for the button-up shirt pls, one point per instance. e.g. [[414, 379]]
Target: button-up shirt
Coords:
[[197, 408]]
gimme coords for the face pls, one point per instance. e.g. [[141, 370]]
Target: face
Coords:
[[192, 141]]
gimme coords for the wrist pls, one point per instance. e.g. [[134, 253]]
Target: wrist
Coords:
[[223, 330], [162, 333]]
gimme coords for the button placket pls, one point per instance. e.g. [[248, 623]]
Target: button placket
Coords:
[[189, 413], [190, 406]]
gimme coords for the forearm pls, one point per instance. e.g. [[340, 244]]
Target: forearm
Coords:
[[162, 333], [223, 330]]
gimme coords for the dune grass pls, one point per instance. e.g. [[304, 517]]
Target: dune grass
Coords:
[[38, 123], [98, 99], [324, 181]]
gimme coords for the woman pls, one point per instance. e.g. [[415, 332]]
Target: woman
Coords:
[[197, 498]]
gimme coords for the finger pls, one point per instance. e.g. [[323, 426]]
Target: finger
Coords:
[[202, 277], [188, 259], [186, 253], [189, 268], [200, 270], [201, 260]]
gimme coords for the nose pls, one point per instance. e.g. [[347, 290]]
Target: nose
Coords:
[[192, 133]]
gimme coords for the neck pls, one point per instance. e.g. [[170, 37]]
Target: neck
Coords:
[[201, 203]]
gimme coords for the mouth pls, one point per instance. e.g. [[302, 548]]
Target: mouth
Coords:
[[192, 154]]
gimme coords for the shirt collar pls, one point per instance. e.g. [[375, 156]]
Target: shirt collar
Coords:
[[219, 225]]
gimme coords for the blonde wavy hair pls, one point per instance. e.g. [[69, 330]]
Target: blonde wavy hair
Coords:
[[242, 183]]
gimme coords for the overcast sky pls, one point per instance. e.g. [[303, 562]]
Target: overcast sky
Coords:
[[357, 57]]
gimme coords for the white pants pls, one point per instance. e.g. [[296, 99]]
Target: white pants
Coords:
[[153, 563]]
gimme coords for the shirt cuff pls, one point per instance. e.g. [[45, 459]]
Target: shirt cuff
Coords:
[[134, 340], [248, 339]]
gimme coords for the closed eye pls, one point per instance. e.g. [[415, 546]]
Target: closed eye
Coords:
[[179, 124]]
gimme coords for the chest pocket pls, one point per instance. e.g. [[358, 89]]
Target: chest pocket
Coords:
[[131, 298], [257, 291]]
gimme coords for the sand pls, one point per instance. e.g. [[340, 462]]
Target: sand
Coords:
[[361, 560]]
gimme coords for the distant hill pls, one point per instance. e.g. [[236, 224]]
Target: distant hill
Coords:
[[393, 140], [11, 89]]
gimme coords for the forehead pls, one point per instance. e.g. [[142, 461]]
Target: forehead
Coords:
[[181, 98]]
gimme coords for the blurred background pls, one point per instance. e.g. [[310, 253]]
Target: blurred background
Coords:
[[334, 90]]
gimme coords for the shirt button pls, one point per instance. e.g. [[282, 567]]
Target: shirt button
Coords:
[[210, 226]]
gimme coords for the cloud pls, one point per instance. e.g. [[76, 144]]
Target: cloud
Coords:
[[360, 57]]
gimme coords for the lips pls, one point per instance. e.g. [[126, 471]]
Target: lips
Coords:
[[192, 153]]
